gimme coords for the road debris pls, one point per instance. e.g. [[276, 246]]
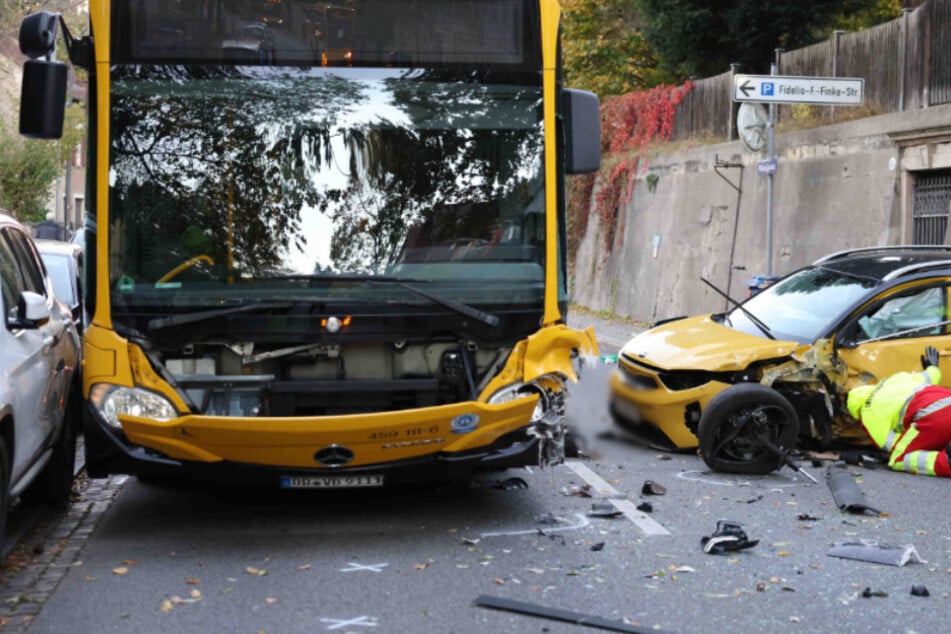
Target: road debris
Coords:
[[583, 491], [845, 491], [652, 488], [605, 510], [597, 547], [510, 484], [645, 507], [728, 537], [868, 593], [875, 552], [566, 616], [920, 591]]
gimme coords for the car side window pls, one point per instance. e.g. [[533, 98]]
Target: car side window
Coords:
[[28, 259], [916, 314], [9, 277]]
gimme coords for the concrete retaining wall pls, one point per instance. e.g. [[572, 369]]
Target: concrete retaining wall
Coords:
[[836, 187]]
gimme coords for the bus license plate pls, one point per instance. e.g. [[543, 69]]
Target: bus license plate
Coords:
[[331, 482]]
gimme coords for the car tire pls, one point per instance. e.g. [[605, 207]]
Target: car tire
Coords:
[[4, 489], [731, 425], [55, 484]]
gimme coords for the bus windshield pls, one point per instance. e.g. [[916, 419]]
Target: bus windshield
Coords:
[[251, 176]]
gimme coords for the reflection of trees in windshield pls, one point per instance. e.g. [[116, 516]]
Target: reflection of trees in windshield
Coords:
[[234, 162]]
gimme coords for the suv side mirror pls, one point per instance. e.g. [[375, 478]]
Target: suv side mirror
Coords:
[[43, 94], [582, 116], [32, 310]]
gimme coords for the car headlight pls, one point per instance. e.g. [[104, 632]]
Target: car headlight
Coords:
[[113, 400], [521, 390]]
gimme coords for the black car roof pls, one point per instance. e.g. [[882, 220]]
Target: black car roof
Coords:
[[885, 263]]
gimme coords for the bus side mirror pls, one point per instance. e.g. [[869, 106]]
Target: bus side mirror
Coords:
[[582, 116], [43, 93]]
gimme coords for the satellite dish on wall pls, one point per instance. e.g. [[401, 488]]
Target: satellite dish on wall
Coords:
[[751, 122]]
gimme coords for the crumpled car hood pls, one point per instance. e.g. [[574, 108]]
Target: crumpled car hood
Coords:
[[699, 343]]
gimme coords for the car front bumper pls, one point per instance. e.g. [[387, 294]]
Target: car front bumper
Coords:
[[640, 399]]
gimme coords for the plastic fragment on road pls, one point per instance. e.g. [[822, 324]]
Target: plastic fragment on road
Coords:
[[652, 488], [868, 593], [845, 491], [875, 552], [604, 509], [645, 507], [556, 614], [728, 537], [920, 591]]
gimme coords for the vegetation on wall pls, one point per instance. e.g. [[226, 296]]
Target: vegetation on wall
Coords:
[[630, 125]]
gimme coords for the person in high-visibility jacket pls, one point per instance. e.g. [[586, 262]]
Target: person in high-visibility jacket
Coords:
[[909, 416]]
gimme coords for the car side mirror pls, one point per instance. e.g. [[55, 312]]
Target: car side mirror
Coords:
[[582, 122], [32, 310]]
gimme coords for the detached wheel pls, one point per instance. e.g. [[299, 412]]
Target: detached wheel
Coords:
[[737, 421]]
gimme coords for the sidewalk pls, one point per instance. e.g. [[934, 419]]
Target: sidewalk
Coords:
[[612, 334]]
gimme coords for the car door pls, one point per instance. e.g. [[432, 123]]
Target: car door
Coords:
[[890, 334], [27, 362]]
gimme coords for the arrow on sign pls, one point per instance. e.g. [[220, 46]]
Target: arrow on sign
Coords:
[[746, 88]]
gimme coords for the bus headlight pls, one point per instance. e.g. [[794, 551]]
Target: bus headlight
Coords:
[[112, 400], [521, 390]]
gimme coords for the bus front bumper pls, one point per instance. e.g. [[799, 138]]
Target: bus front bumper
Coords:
[[446, 442]]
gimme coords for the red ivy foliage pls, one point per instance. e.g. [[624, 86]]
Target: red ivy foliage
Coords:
[[630, 123]]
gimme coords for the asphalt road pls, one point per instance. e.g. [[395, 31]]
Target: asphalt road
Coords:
[[192, 560]]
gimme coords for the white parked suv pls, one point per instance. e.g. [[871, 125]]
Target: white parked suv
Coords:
[[39, 367]]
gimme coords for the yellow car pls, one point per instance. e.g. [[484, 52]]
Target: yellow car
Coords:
[[747, 385]]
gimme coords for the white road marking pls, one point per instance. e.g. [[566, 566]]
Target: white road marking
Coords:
[[777, 480], [599, 486], [355, 567], [338, 623], [583, 521]]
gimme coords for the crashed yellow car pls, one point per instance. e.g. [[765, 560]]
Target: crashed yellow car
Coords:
[[747, 385]]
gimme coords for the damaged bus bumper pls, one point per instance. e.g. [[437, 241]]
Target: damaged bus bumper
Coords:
[[368, 450]]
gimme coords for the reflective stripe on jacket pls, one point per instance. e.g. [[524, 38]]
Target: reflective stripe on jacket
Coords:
[[883, 413]]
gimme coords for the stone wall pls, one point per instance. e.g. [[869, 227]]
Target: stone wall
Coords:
[[836, 187]]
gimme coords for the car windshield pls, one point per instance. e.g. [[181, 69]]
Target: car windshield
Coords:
[[244, 181], [802, 306], [58, 268]]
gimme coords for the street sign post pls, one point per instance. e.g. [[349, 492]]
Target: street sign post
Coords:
[[822, 91]]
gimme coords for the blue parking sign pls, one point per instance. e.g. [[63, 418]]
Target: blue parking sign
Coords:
[[767, 88]]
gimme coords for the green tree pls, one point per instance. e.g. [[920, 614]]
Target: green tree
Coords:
[[604, 49], [28, 168], [701, 38]]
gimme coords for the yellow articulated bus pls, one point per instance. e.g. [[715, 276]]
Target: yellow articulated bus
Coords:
[[323, 276]]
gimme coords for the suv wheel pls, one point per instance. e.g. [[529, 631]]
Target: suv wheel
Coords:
[[739, 425], [4, 489], [55, 484]]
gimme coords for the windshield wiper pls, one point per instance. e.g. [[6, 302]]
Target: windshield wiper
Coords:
[[751, 316], [190, 318], [459, 307]]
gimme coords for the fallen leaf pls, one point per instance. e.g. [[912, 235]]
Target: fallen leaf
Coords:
[[166, 606], [421, 566], [499, 582], [783, 553], [129, 562], [255, 571], [304, 567], [270, 600], [196, 593], [191, 581], [176, 600], [121, 570], [89, 578]]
